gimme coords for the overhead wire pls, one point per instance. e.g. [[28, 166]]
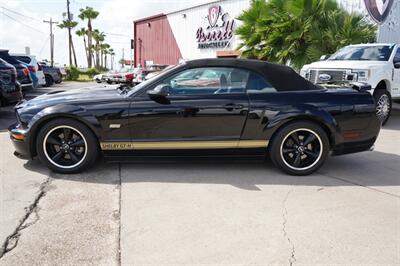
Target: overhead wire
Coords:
[[20, 22]]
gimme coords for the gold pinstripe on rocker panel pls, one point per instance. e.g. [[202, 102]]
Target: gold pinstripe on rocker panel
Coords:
[[179, 145]]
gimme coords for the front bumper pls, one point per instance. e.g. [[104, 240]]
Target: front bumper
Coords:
[[27, 87], [20, 139]]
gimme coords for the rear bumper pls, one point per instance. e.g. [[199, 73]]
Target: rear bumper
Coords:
[[20, 139], [354, 147]]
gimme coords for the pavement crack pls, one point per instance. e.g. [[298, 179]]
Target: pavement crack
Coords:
[[292, 258], [12, 240]]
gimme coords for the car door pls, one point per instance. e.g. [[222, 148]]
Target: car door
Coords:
[[205, 108], [396, 75]]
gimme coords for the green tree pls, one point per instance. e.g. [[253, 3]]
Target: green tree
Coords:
[[69, 24], [104, 49], [83, 33], [98, 37], [89, 14], [299, 31]]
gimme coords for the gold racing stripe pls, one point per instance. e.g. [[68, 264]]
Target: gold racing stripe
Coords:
[[180, 145]]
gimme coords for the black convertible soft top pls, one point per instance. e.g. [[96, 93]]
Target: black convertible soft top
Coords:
[[282, 78]]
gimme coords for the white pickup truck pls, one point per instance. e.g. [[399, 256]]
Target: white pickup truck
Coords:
[[377, 64]]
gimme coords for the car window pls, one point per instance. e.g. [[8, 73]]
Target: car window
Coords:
[[397, 56], [257, 84], [25, 59], [216, 80]]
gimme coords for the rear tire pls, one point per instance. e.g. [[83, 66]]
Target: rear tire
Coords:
[[49, 81], [66, 146], [299, 148], [383, 102], [59, 80]]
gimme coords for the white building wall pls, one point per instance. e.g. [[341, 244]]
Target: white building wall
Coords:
[[185, 23], [389, 31]]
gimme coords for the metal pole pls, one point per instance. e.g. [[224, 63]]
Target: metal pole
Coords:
[[69, 34], [51, 22]]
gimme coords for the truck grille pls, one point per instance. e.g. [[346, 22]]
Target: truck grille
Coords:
[[335, 76]]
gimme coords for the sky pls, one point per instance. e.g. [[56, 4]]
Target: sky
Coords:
[[26, 27]]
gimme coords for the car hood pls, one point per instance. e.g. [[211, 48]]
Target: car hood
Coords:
[[345, 64], [75, 97]]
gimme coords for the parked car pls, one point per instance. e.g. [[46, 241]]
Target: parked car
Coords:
[[377, 64], [118, 76], [153, 74], [33, 66], [52, 74], [10, 89], [98, 78], [140, 75], [254, 107], [23, 76]]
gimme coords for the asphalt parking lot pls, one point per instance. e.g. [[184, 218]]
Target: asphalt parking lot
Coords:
[[224, 212]]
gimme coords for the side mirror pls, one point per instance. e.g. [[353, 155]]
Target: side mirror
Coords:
[[323, 57], [160, 91], [397, 64]]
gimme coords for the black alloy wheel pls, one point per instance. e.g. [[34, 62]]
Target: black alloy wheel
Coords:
[[66, 146], [300, 148]]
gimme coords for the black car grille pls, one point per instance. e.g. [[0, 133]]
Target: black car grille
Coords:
[[335, 76]]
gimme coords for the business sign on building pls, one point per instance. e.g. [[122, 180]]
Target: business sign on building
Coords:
[[378, 9], [219, 29]]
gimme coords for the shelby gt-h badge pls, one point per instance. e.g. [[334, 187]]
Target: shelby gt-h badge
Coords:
[[203, 107]]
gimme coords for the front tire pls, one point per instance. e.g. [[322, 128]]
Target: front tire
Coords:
[[66, 146], [299, 148], [383, 102]]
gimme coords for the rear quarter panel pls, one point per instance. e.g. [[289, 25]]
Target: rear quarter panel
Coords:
[[338, 112]]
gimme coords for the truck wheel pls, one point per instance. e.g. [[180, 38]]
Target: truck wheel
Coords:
[[66, 146], [299, 148], [49, 81], [59, 80], [383, 102]]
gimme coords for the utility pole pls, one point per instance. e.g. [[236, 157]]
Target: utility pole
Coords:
[[69, 35], [51, 22]]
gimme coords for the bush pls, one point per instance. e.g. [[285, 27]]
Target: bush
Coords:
[[91, 72], [72, 73]]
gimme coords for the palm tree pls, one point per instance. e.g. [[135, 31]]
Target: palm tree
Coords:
[[112, 54], [104, 51], [298, 31], [98, 38], [69, 24], [89, 13], [82, 33]]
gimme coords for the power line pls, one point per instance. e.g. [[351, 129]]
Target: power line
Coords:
[[20, 22], [17, 13], [117, 34]]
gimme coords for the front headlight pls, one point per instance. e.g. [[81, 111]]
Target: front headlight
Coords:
[[361, 74], [304, 73]]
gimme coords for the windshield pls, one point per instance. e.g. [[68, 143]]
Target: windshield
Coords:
[[364, 53], [144, 83]]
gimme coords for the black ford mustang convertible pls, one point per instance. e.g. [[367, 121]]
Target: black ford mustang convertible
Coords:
[[204, 107]]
